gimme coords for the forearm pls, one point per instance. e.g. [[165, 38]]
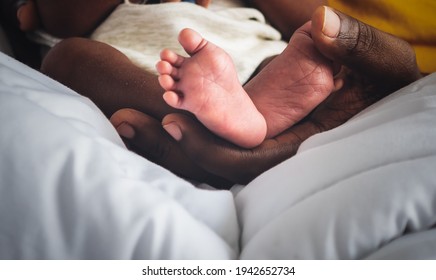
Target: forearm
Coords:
[[106, 76], [286, 15]]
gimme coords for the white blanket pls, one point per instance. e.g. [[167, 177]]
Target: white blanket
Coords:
[[352, 190], [69, 189]]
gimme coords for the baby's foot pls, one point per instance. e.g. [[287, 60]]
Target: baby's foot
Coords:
[[292, 84], [207, 85]]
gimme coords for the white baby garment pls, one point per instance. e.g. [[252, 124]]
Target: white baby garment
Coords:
[[142, 31]]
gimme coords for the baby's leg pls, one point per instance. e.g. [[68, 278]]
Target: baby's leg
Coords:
[[285, 91], [207, 85], [293, 84]]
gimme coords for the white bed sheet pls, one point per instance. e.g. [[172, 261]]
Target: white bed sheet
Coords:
[[69, 189], [352, 190], [413, 246]]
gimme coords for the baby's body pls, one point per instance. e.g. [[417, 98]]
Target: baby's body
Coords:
[[283, 93]]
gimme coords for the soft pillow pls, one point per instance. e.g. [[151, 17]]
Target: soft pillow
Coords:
[[69, 189], [352, 190], [414, 246]]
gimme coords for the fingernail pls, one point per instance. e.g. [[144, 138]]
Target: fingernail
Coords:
[[126, 131], [174, 130], [332, 23]]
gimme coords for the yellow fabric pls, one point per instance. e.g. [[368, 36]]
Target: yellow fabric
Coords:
[[412, 20]]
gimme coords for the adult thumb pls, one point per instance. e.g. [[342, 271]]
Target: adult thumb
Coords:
[[363, 48]]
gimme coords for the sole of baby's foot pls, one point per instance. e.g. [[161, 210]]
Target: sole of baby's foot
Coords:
[[207, 85], [292, 84]]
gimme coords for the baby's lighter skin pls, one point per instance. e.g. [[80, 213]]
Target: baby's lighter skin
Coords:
[[206, 84]]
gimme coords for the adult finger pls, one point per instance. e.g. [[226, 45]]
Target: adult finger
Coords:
[[145, 136], [379, 55], [231, 162]]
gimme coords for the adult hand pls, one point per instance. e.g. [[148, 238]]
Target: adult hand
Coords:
[[372, 64]]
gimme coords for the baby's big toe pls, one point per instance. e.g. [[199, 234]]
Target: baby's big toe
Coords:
[[191, 41]]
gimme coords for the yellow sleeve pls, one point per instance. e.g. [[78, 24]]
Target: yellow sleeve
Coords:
[[413, 21]]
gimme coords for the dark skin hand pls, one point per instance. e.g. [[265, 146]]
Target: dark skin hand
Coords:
[[372, 64]]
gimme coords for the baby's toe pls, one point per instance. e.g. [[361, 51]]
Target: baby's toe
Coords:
[[167, 82], [171, 57], [173, 99], [165, 68]]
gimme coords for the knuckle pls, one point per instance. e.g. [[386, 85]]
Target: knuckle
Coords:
[[158, 152], [364, 40], [162, 151]]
